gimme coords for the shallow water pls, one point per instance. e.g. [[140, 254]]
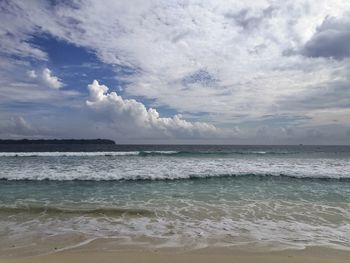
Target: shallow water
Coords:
[[176, 196]]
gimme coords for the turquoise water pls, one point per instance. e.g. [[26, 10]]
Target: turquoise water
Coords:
[[273, 198]]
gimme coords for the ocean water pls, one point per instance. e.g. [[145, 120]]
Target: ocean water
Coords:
[[268, 197]]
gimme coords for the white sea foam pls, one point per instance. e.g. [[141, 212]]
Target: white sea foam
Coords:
[[170, 168], [196, 225], [274, 213]]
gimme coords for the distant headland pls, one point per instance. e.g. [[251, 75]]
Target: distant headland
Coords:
[[58, 141]]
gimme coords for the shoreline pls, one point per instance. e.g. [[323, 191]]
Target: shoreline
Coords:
[[89, 253]]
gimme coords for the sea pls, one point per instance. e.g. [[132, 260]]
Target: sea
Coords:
[[58, 197]]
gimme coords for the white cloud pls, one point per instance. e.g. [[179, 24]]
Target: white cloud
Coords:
[[46, 78], [239, 44], [32, 74], [16, 126], [132, 117], [20, 123], [19, 83], [224, 62], [168, 43], [50, 80]]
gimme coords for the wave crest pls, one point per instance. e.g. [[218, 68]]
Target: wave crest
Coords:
[[186, 177]]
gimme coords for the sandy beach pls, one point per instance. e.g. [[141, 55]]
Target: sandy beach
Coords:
[[311, 255]]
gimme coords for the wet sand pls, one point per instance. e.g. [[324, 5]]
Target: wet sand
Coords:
[[312, 255]]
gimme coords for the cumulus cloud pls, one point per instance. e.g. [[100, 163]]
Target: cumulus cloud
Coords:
[[46, 78], [239, 44], [220, 62], [331, 39], [132, 116]]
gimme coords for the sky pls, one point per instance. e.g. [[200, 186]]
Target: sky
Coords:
[[177, 71]]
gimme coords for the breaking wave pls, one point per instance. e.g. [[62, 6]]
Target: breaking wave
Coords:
[[165, 177]]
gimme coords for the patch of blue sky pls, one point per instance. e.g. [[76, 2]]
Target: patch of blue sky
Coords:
[[78, 66]]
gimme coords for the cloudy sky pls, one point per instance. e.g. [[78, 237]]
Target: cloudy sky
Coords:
[[236, 72]]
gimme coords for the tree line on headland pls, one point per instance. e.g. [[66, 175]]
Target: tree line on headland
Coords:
[[58, 141]]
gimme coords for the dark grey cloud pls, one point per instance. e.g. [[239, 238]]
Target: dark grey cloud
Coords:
[[331, 39]]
